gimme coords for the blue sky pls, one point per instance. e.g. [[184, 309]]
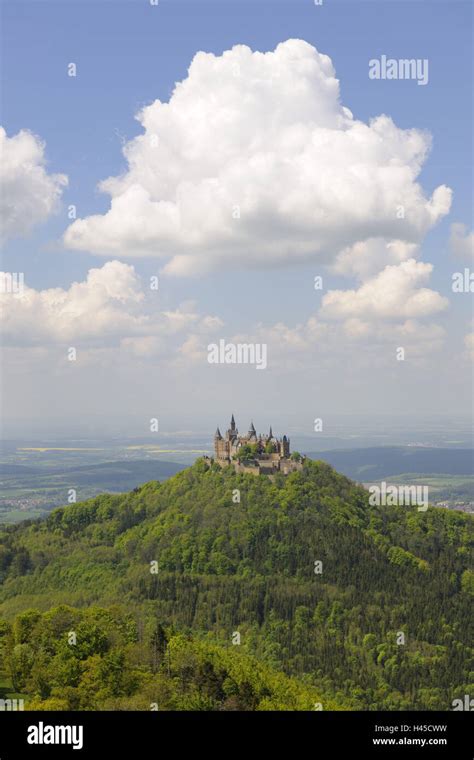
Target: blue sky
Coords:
[[128, 54]]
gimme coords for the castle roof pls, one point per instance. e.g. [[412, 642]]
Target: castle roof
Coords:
[[218, 434], [252, 432]]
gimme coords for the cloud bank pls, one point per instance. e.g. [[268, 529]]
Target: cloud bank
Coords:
[[110, 308]]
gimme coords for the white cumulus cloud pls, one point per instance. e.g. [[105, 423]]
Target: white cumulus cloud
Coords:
[[393, 294], [366, 258], [109, 308], [28, 194], [255, 161]]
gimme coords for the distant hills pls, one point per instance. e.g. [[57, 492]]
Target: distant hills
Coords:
[[379, 462]]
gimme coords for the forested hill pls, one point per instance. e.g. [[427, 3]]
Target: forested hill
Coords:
[[369, 607]]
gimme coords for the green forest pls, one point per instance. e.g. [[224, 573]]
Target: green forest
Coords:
[[222, 591]]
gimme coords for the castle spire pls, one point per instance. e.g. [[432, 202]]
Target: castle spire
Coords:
[[232, 423], [218, 434], [270, 435]]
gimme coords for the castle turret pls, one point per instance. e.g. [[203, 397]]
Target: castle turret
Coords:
[[285, 447], [252, 432], [221, 446], [232, 432]]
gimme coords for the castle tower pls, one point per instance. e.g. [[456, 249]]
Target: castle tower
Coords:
[[220, 446], [252, 434], [232, 432], [285, 447]]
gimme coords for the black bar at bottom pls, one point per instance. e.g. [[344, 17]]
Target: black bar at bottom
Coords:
[[138, 734]]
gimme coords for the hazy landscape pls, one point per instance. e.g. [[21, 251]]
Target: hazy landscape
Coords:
[[36, 477]]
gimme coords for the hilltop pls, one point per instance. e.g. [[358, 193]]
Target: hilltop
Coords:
[[366, 607]]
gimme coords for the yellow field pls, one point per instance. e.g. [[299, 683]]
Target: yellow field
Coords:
[[31, 448]]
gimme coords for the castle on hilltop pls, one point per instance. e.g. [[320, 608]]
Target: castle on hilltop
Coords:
[[256, 454]]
